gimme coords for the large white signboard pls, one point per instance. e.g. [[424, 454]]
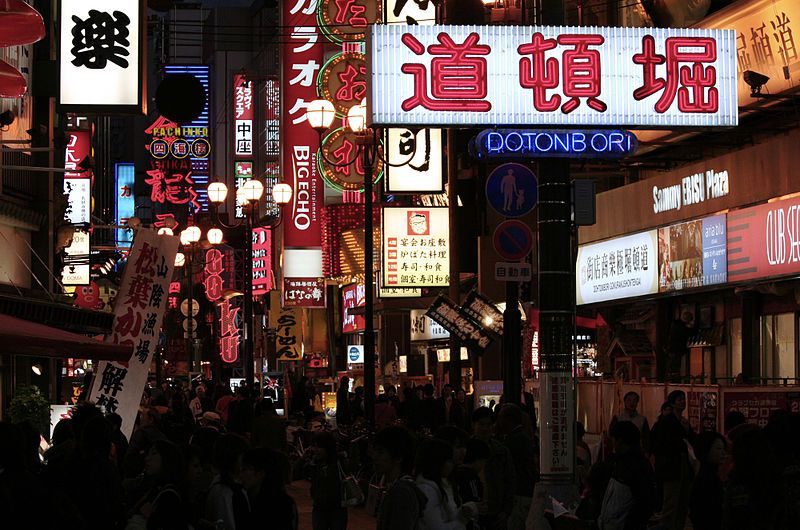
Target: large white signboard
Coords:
[[416, 247], [415, 161], [100, 52], [540, 75], [617, 268]]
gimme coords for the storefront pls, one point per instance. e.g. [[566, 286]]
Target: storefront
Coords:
[[695, 269]]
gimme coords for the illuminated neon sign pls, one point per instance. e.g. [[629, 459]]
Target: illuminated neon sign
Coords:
[[525, 143]]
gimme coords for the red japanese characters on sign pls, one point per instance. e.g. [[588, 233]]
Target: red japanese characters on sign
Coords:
[[453, 75], [228, 332], [212, 272], [347, 20], [262, 260], [302, 59], [304, 292], [138, 312]]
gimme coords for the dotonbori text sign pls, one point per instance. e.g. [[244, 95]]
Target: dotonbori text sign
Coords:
[[416, 247], [539, 75], [453, 319], [617, 268], [138, 312], [302, 59], [520, 143], [101, 53]]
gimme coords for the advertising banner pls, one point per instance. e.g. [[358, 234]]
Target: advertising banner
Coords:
[[764, 240], [352, 297], [304, 292], [302, 59], [453, 319], [243, 115], [622, 267], [101, 53], [692, 254], [77, 256], [415, 247], [425, 328], [262, 260], [540, 75], [138, 313]]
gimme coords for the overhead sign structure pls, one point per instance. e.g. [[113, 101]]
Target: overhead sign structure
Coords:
[[692, 254], [102, 54], [513, 239], [415, 247], [453, 319], [524, 143], [138, 313], [544, 75], [622, 267], [512, 190], [425, 328]]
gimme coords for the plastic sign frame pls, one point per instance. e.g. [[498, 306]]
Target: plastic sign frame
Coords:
[[442, 75]]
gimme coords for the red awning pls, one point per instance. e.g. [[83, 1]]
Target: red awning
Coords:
[[24, 337]]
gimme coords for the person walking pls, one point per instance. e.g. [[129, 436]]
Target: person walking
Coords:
[[498, 472], [161, 506], [403, 502], [227, 505], [673, 472], [326, 488], [343, 416], [442, 508], [705, 498], [271, 506], [524, 454], [630, 413]]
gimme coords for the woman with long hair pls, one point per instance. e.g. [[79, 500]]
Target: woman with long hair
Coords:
[[161, 506], [442, 509]]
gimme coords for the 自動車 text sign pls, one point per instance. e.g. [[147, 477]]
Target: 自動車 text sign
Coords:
[[540, 75]]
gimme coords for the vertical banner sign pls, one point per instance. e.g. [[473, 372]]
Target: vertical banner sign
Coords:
[[212, 272], [262, 260], [302, 59], [229, 331], [124, 177], [242, 172], [243, 114], [77, 183], [416, 247], [556, 406], [102, 54], [138, 312], [288, 325]]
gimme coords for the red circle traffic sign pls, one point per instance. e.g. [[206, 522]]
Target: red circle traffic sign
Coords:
[[513, 239]]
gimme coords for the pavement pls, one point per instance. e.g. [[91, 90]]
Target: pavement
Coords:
[[300, 490]]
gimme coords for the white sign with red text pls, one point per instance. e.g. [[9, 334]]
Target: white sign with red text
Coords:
[[138, 312], [540, 75]]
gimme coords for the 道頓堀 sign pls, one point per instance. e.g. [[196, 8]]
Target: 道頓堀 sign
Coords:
[[540, 75]]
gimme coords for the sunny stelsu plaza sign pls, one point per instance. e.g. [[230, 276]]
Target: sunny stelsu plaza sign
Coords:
[[557, 76]]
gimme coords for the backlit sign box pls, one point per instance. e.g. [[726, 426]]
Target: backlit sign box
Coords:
[[352, 297], [551, 76], [622, 267], [692, 254], [764, 240], [522, 143], [101, 54]]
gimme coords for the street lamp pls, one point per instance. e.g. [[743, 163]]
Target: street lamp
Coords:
[[249, 194], [320, 114], [189, 238], [281, 193]]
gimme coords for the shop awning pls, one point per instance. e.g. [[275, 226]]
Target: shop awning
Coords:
[[23, 337]]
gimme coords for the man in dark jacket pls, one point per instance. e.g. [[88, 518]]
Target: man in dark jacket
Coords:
[[630, 496], [403, 502]]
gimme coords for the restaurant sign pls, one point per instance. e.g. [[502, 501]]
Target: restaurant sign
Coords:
[[542, 75], [416, 247]]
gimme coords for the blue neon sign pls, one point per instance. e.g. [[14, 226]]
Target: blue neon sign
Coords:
[[124, 176], [526, 143]]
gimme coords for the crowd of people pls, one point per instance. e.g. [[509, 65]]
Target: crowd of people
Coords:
[[208, 458]]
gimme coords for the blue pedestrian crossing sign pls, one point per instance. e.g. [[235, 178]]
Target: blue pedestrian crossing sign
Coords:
[[512, 190]]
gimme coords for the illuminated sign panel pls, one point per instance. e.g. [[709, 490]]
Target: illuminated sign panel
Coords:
[[415, 161], [415, 247], [622, 267], [424, 327], [79, 201], [514, 143], [692, 254], [262, 260], [242, 172], [125, 176], [101, 53], [764, 240], [243, 114], [539, 75], [352, 297], [77, 266]]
